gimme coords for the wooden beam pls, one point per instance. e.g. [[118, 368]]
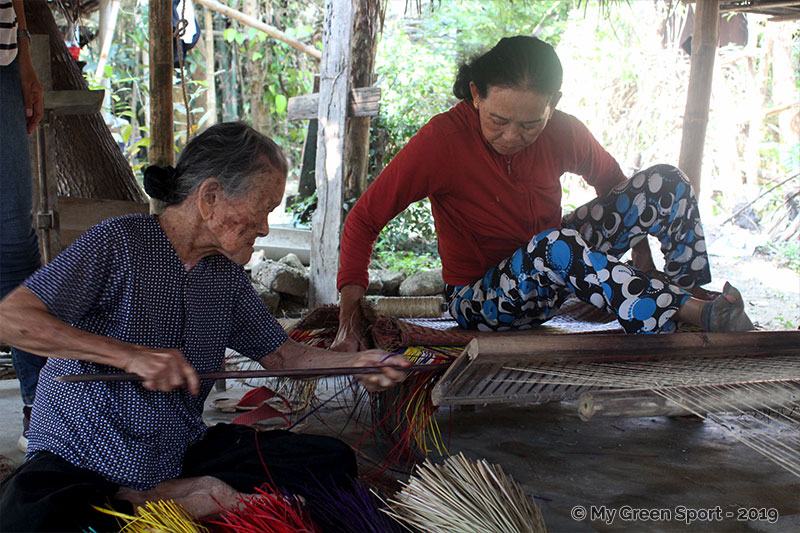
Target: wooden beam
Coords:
[[161, 71], [43, 159], [73, 102], [76, 215], [272, 31], [486, 357], [326, 228], [362, 102], [695, 118]]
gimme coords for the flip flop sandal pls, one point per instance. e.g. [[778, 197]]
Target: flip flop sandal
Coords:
[[259, 414], [251, 400]]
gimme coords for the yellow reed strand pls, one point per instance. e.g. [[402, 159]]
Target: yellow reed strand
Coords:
[[165, 515]]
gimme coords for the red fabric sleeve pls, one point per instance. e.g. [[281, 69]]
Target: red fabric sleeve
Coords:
[[405, 180]]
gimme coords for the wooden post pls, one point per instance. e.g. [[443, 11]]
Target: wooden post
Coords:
[[695, 119], [332, 117], [161, 71], [364, 46]]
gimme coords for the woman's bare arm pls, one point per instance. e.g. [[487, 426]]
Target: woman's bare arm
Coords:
[[27, 324], [295, 355]]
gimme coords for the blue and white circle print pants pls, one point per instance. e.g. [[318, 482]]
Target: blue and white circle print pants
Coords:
[[582, 258]]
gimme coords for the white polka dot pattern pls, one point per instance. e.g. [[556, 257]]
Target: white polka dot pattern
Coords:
[[123, 279]]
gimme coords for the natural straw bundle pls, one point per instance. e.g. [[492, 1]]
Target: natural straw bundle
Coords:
[[464, 496], [411, 306]]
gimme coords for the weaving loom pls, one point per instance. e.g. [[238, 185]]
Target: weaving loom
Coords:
[[754, 374], [582, 357]]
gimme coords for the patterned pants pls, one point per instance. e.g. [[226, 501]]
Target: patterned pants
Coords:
[[582, 258]]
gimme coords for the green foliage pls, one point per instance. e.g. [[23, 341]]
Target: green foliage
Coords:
[[302, 210], [787, 254], [411, 231], [418, 58], [406, 262]]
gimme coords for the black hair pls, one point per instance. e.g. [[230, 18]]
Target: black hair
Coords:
[[519, 62], [232, 152]]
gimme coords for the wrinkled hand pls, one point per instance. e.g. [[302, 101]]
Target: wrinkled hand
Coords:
[[32, 95], [389, 377], [348, 340], [163, 370]]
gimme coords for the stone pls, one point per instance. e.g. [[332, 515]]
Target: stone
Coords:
[[293, 261], [256, 259], [281, 278], [384, 282], [271, 299], [292, 307], [425, 283], [375, 283], [392, 279]]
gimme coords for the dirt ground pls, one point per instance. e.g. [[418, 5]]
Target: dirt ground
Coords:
[[771, 291]]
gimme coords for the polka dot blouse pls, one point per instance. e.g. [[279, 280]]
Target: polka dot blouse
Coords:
[[123, 279]]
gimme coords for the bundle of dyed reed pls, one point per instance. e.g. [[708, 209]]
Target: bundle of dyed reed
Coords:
[[265, 511], [406, 415], [464, 496], [356, 508], [165, 515]]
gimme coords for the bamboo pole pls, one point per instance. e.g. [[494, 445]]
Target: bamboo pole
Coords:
[[695, 119], [641, 403], [266, 373], [161, 71], [272, 31], [602, 347], [109, 13]]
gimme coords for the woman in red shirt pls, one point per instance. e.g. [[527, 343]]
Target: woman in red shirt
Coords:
[[491, 167]]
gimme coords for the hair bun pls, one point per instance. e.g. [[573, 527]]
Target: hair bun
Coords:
[[161, 183]]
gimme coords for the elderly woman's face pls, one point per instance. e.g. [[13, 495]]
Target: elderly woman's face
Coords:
[[238, 221], [512, 119]]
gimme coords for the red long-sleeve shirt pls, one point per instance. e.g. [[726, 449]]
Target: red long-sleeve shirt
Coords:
[[485, 205]]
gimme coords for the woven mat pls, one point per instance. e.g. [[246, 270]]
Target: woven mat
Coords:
[[574, 317]]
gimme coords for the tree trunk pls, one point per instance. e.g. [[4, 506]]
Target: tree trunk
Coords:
[[90, 164], [257, 74], [365, 42], [162, 132]]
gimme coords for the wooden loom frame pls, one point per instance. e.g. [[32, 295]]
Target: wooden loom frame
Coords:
[[481, 374]]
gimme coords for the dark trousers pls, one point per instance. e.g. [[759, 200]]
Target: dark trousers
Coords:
[[48, 493]]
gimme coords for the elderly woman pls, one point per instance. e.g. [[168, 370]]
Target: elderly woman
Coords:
[[163, 297], [491, 168]]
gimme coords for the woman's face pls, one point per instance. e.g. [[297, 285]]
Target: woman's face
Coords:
[[512, 119], [236, 222]]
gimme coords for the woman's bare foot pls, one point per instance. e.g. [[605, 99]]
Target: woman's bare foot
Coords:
[[726, 312], [202, 497]]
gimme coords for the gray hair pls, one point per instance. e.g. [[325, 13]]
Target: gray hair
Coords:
[[232, 152]]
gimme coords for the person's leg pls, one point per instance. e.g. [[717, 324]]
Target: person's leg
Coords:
[[19, 249], [245, 458], [49, 494], [658, 201], [523, 290]]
